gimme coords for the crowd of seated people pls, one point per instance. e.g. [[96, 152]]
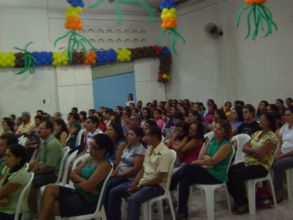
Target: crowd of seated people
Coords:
[[134, 143]]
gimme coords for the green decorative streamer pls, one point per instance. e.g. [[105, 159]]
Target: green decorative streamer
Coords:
[[261, 16], [96, 4], [29, 60], [74, 43], [117, 5], [144, 5], [174, 35]]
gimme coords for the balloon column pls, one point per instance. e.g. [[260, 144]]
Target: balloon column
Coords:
[[169, 23], [73, 24], [261, 15], [117, 5]]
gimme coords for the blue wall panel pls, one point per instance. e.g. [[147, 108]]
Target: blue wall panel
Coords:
[[112, 91]]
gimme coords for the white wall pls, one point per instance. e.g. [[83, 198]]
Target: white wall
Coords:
[[195, 72], [146, 81], [261, 69], [31, 20], [22, 22]]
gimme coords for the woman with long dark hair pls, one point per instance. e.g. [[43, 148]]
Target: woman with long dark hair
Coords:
[[60, 131], [7, 126], [115, 132], [88, 179], [15, 179]]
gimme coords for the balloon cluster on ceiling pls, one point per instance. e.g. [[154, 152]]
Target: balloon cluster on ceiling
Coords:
[[261, 17]]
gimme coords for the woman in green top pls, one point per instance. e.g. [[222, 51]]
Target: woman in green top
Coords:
[[14, 180], [210, 168], [88, 178], [259, 150]]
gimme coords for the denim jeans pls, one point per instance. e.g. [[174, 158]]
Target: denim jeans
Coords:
[[113, 182], [134, 201], [279, 168]]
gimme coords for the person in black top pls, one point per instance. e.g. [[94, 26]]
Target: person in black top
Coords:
[[250, 125]]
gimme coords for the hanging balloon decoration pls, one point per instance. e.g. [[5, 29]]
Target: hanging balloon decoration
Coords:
[[169, 23], [261, 16], [74, 24], [117, 5]]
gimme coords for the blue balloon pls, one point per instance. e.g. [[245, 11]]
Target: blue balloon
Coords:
[[43, 58], [106, 56], [166, 52], [76, 3]]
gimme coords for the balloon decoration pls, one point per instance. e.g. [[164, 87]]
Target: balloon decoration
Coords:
[[106, 56], [43, 58], [169, 23], [90, 58], [73, 24], [60, 59], [7, 59], [117, 5], [261, 16], [29, 61], [123, 55]]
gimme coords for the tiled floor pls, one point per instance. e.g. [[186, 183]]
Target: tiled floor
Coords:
[[284, 211]]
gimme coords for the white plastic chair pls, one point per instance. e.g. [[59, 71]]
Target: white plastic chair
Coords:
[[251, 191], [251, 185], [147, 206], [210, 135], [289, 183], [69, 161], [210, 189], [23, 194], [100, 211], [241, 140], [66, 151]]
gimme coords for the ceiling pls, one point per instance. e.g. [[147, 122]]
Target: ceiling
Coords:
[[107, 6]]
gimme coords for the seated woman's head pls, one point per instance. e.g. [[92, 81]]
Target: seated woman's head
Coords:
[[268, 121], [7, 124], [15, 157], [134, 135], [5, 141], [181, 129], [219, 114], [236, 114], [101, 147], [223, 130], [289, 115], [196, 130], [115, 131]]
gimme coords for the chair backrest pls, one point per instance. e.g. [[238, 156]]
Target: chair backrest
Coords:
[[241, 140], [101, 197], [66, 151], [231, 159], [208, 136], [68, 164], [24, 193], [75, 163], [171, 170]]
